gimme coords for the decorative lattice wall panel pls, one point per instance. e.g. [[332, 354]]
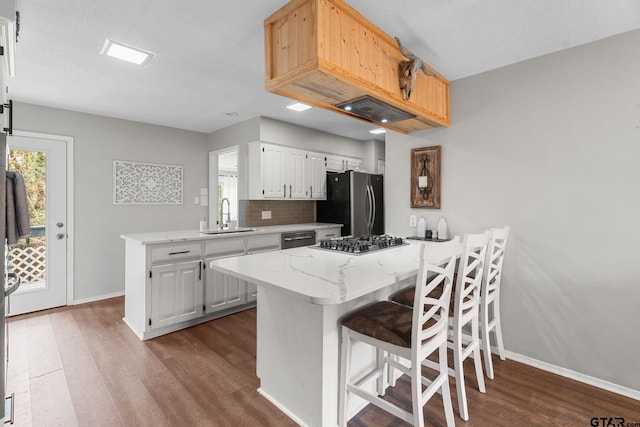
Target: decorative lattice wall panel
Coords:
[[137, 183]]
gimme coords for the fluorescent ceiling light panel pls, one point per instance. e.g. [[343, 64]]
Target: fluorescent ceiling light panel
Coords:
[[126, 52], [377, 131], [298, 107]]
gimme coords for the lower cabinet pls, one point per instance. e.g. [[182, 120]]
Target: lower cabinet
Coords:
[[252, 292], [222, 291], [176, 293]]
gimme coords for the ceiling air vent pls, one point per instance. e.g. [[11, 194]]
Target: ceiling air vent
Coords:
[[373, 109]]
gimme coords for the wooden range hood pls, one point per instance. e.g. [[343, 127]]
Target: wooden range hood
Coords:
[[324, 53]]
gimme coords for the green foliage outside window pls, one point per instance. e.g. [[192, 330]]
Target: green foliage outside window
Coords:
[[33, 166]]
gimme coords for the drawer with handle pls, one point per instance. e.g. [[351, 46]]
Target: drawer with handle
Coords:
[[167, 253]]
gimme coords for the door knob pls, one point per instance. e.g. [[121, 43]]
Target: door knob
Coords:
[[60, 225], [60, 236]]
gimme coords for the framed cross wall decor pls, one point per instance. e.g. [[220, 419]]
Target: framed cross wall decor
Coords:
[[425, 177]]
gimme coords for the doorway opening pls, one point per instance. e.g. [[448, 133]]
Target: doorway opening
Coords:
[[223, 187]]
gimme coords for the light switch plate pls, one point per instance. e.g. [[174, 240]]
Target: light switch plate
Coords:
[[412, 221], [204, 200], [266, 214], [196, 200]]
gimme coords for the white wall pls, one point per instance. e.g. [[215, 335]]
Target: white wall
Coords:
[[551, 147], [98, 141]]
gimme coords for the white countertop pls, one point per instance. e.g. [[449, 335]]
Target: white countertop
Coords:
[[325, 277], [189, 235]]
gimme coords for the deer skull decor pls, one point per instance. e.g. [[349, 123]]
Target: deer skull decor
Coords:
[[408, 70]]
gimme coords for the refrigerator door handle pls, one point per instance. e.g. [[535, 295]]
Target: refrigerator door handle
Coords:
[[373, 207]]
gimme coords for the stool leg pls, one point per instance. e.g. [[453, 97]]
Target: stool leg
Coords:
[[486, 342], [458, 368], [380, 367], [498, 328], [477, 359], [416, 393], [446, 390], [345, 365]]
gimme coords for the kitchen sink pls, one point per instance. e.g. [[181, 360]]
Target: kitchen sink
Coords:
[[229, 231]]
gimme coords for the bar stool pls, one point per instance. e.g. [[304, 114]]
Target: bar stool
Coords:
[[490, 296], [463, 310], [412, 333]]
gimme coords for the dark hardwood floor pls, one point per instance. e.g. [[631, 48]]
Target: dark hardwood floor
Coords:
[[81, 365]]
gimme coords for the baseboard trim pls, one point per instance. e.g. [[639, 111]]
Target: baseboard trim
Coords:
[[280, 407], [568, 373], [98, 298]]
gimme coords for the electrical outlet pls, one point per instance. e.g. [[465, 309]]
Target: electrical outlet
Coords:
[[266, 214], [196, 200], [412, 221]]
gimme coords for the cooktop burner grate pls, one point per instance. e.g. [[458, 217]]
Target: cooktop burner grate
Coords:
[[361, 245]]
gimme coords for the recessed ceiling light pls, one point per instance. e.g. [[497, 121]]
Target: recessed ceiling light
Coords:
[[298, 106], [126, 52], [384, 120], [377, 131], [348, 108]]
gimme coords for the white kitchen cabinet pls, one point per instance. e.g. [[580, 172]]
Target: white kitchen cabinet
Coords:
[[252, 292], [337, 163], [276, 172], [280, 172], [223, 291], [176, 293], [272, 171], [317, 176], [295, 167]]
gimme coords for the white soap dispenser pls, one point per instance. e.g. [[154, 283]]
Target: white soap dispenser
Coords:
[[422, 225], [203, 224], [443, 229]]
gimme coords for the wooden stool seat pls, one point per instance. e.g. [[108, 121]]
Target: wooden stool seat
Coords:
[[385, 321]]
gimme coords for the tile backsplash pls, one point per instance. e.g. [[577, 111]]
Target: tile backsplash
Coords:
[[282, 212]]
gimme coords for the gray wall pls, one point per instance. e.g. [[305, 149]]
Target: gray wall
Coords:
[[98, 141], [549, 146]]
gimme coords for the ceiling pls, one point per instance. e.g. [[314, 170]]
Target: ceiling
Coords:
[[208, 72]]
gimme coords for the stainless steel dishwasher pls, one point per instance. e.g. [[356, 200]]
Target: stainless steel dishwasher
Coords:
[[297, 239]]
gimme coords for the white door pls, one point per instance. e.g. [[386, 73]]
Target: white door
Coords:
[[41, 262]]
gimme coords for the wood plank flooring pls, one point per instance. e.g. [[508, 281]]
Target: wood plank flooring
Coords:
[[82, 366]]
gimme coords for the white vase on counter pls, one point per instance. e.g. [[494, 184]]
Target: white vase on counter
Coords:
[[443, 229]]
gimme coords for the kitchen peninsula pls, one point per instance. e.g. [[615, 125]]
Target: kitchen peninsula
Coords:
[[302, 294], [168, 285]]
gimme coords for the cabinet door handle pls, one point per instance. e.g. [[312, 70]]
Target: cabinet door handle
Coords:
[[290, 190], [200, 271], [311, 191], [179, 253], [284, 187]]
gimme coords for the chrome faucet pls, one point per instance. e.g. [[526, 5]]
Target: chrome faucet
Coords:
[[224, 224]]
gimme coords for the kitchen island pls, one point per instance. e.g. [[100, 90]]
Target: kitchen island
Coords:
[[302, 294]]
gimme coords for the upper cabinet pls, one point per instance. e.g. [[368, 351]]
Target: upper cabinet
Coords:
[[285, 173], [8, 35], [325, 54], [336, 163]]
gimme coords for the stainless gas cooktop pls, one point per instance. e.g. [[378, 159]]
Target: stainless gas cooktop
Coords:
[[361, 245]]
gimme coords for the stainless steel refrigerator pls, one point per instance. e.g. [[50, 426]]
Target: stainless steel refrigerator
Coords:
[[355, 200]]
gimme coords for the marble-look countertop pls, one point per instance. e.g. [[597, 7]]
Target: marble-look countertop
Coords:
[[324, 277], [189, 235]]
